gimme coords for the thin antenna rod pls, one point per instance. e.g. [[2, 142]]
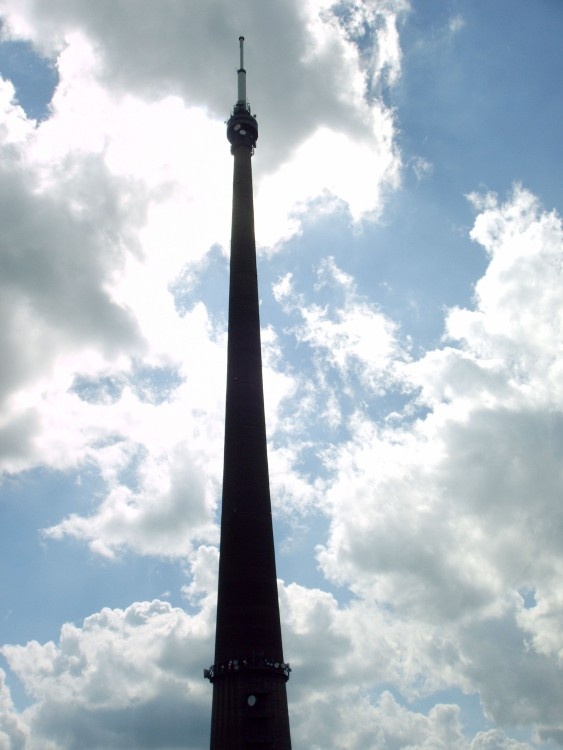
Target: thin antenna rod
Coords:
[[241, 74]]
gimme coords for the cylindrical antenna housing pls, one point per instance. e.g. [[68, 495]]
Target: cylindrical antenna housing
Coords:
[[241, 74]]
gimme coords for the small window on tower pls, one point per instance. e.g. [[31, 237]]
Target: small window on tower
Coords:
[[251, 700]]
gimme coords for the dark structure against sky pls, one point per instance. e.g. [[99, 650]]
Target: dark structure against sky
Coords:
[[249, 674]]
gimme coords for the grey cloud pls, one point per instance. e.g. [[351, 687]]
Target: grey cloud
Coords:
[[349, 719], [59, 249], [492, 525], [495, 739], [552, 734], [55, 262], [16, 438], [517, 685], [505, 467], [169, 721]]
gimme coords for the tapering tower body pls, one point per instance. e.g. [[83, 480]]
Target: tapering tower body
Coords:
[[249, 674]]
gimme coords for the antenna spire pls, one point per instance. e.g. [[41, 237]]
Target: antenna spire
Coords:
[[241, 74]]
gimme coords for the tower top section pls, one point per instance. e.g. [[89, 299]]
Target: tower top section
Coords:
[[242, 128]]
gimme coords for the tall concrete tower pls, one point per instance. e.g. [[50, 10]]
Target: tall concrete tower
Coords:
[[249, 674]]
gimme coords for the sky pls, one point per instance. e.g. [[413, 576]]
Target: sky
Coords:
[[408, 203]]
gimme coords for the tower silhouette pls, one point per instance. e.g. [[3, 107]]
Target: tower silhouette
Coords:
[[249, 674]]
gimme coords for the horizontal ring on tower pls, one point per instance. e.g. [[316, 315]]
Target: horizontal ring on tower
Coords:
[[257, 663]]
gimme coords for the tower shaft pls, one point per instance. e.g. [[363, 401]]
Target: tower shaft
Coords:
[[249, 675]]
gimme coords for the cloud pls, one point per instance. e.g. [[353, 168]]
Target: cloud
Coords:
[[13, 730], [445, 520], [171, 510], [456, 24], [519, 314], [133, 678], [58, 258], [105, 351], [311, 80], [113, 203], [345, 352], [450, 515], [386, 724], [126, 678], [158, 453], [348, 335]]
